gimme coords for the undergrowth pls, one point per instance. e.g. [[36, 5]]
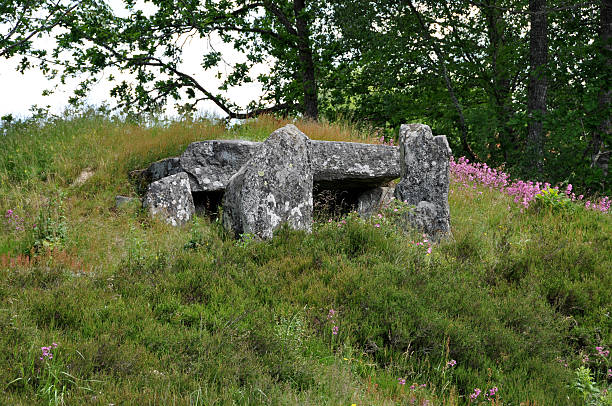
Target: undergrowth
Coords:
[[513, 309]]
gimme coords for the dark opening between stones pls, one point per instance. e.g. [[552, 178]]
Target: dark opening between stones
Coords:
[[334, 202], [207, 203]]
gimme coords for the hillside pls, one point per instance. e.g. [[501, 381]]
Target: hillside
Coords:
[[102, 305]]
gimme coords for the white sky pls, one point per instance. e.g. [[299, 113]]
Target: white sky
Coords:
[[20, 92]]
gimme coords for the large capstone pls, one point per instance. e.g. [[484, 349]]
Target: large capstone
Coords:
[[170, 199], [353, 165], [425, 166], [272, 188], [211, 164]]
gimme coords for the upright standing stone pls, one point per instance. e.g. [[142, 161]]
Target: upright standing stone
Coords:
[[273, 187], [425, 172], [170, 199]]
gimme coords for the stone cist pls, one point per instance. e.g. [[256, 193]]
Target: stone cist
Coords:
[[267, 184]]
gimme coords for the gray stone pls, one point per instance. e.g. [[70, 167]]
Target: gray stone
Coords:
[[272, 188], [121, 201], [351, 164], [156, 171], [211, 164], [374, 200], [425, 166], [170, 199]]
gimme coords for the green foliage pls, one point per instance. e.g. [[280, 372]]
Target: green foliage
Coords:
[[552, 199], [588, 389], [49, 231]]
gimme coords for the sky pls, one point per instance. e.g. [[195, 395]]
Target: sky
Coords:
[[21, 91]]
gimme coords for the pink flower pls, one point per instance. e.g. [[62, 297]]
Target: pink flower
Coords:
[[476, 393], [401, 381], [377, 225], [451, 363], [335, 330]]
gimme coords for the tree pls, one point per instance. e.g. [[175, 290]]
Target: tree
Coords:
[[600, 145], [22, 21], [150, 47], [536, 90]]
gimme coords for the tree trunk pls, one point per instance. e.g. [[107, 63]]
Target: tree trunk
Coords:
[[311, 110], [500, 90], [536, 89], [600, 156]]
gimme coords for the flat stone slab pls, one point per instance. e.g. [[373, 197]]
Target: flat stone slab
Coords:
[[335, 164], [211, 164], [352, 164], [170, 199]]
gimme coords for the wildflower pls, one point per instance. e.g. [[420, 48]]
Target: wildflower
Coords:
[[377, 225], [401, 381], [331, 314], [412, 387], [46, 352], [429, 250], [380, 215], [493, 391], [609, 373], [335, 330], [476, 393], [451, 363]]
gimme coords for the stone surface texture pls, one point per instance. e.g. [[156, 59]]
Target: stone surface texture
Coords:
[[211, 164], [374, 200], [272, 188], [425, 173], [353, 164], [170, 199]]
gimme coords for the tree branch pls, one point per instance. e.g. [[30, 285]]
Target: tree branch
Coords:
[[278, 13]]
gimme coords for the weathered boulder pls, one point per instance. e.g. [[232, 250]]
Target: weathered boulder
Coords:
[[425, 166], [351, 164], [156, 171], [273, 187], [170, 199], [373, 200]]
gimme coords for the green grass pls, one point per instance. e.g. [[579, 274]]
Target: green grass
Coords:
[[144, 313]]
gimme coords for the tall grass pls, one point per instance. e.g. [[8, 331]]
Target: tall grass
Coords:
[[143, 313]]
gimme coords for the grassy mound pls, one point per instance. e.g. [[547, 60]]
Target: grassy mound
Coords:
[[515, 307]]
